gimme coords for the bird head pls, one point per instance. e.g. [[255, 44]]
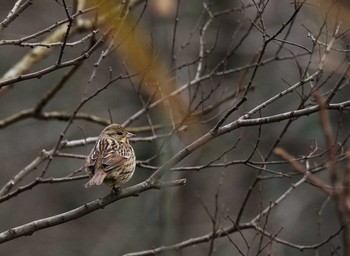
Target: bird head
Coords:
[[117, 132]]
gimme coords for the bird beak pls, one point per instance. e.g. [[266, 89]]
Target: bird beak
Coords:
[[129, 135]]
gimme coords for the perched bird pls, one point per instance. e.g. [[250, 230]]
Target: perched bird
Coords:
[[112, 160]]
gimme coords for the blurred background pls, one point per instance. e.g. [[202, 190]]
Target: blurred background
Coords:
[[215, 52]]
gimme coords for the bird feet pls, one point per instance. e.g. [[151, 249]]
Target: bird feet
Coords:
[[116, 191]]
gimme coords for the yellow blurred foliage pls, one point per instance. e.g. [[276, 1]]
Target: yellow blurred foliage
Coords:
[[137, 53]]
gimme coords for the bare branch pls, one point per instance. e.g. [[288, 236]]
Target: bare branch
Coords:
[[30, 228]]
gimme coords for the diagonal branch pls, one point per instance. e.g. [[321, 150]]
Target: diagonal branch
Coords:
[[31, 227]]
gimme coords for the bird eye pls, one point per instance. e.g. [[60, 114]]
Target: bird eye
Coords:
[[119, 133]]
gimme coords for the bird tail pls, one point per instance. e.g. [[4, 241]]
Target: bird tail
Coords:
[[97, 179]]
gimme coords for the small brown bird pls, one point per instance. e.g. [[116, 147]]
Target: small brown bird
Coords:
[[112, 160]]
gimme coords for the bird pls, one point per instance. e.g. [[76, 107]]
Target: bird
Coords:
[[112, 160]]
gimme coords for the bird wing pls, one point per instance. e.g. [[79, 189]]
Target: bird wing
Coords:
[[91, 159], [108, 153], [116, 156]]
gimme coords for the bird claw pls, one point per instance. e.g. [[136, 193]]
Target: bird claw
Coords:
[[116, 191]]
